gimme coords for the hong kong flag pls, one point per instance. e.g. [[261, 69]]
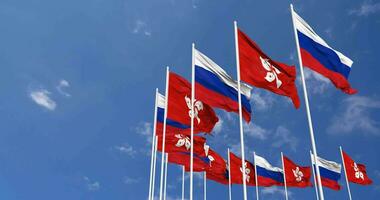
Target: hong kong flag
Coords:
[[296, 176], [200, 162], [356, 173], [218, 177], [181, 143], [258, 69], [237, 171], [179, 106], [217, 170]]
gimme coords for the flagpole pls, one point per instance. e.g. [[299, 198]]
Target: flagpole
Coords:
[[314, 148], [166, 174], [153, 144], [164, 132], [315, 179], [192, 121], [256, 179], [204, 186], [154, 166], [229, 175], [345, 173], [240, 111], [183, 182], [283, 168]]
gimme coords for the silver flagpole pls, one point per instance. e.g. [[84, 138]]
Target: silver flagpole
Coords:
[[192, 120], [256, 179], [204, 186], [183, 182], [164, 132], [314, 148], [229, 175], [240, 111], [154, 166], [166, 174], [345, 173], [153, 144], [315, 179], [283, 168]]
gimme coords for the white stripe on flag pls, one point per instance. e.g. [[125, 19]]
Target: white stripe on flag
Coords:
[[330, 165], [161, 101], [306, 29], [262, 162]]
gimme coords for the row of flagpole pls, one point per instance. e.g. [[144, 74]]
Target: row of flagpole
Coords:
[[164, 159]]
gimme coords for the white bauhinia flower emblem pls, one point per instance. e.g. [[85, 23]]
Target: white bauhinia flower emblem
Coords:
[[247, 171], [210, 157], [358, 173], [298, 174], [272, 72], [198, 106], [183, 141]]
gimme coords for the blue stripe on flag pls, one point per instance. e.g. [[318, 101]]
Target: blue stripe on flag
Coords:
[[277, 176], [329, 174], [212, 82], [326, 56]]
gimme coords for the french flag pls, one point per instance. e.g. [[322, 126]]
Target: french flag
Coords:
[[172, 127], [330, 172], [267, 175], [216, 88], [317, 55]]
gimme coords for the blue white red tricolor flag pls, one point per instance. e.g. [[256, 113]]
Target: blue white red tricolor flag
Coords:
[[317, 55], [267, 175], [330, 172], [218, 89]]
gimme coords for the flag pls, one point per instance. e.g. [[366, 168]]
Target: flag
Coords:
[[217, 170], [355, 172], [257, 69], [329, 171], [218, 177], [296, 176], [179, 106], [267, 175], [317, 55], [236, 171], [181, 143], [216, 88], [200, 162], [172, 127]]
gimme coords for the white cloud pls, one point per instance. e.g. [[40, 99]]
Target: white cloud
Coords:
[[365, 9], [255, 131], [218, 126], [315, 82], [91, 185], [126, 149], [283, 137], [356, 115], [146, 130], [141, 27], [261, 100], [274, 190], [41, 97], [130, 180], [60, 87]]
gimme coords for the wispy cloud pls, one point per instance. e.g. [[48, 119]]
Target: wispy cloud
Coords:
[[126, 149], [356, 115], [42, 98], [146, 130], [274, 190], [261, 100], [140, 27], [218, 126], [130, 180], [91, 185], [366, 8], [61, 86], [283, 137], [256, 131], [316, 83]]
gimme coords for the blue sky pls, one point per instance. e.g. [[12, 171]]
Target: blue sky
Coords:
[[77, 88]]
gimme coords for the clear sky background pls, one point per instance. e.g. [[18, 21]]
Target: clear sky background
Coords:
[[77, 86]]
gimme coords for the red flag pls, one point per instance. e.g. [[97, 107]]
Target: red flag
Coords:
[[356, 173], [257, 69], [181, 143], [218, 177], [237, 171], [179, 106], [296, 176], [200, 162], [217, 170]]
